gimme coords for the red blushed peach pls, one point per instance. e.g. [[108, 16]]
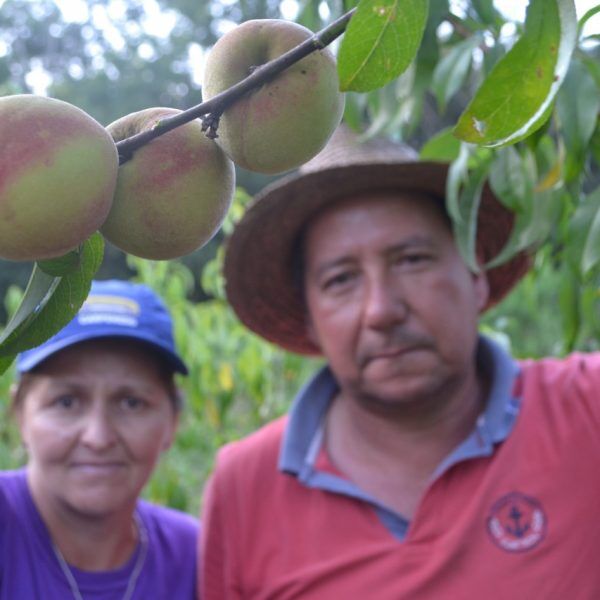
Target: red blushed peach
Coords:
[[289, 119], [173, 195], [58, 170]]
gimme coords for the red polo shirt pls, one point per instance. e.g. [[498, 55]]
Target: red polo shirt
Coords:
[[520, 519]]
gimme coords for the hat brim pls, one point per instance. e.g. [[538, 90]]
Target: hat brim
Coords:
[[258, 269], [32, 359]]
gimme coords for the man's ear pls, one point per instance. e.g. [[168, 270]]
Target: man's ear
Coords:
[[482, 289], [311, 333]]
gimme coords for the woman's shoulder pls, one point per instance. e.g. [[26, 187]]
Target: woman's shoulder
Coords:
[[13, 487], [169, 525]]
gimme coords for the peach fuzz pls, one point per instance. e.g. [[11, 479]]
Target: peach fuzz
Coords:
[[289, 119], [173, 194], [58, 170]]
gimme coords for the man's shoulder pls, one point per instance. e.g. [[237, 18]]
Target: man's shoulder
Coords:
[[577, 368], [259, 449], [260, 442]]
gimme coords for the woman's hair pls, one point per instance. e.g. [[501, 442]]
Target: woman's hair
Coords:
[[164, 370]]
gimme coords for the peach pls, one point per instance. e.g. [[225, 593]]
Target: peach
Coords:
[[173, 195], [289, 119], [58, 170]]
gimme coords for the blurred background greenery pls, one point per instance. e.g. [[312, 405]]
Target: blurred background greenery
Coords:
[[113, 57]]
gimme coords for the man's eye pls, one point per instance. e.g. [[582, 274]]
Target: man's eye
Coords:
[[338, 280], [132, 403], [414, 259]]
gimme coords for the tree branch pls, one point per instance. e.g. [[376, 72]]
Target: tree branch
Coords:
[[215, 107]]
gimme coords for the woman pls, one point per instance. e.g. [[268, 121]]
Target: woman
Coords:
[[96, 406]]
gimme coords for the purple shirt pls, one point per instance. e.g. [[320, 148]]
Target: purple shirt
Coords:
[[29, 569]]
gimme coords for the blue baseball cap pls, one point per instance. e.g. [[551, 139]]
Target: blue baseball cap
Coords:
[[114, 308]]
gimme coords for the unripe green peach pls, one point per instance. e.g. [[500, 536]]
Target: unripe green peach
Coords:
[[288, 120], [173, 195], [58, 169]]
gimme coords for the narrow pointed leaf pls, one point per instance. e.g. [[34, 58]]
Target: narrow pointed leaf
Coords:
[[39, 289], [591, 250], [451, 72], [513, 100], [5, 362], [587, 16], [577, 107], [380, 42], [464, 189], [53, 311]]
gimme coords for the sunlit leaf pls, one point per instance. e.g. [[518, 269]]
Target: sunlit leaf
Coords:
[[380, 42], [63, 299], [519, 91], [587, 16]]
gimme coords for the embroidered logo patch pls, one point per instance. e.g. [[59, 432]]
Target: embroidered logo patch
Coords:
[[517, 522]]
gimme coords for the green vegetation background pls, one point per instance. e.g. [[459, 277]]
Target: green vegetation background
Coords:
[[238, 382]]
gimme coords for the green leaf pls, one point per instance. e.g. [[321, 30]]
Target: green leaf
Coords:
[[442, 147], [568, 300], [380, 42], [591, 249], [451, 72], [39, 289], [519, 91], [577, 107], [532, 225], [63, 265], [464, 197], [44, 315], [5, 362], [486, 12], [512, 177], [586, 17]]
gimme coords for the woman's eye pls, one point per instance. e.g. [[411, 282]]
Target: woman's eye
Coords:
[[65, 401]]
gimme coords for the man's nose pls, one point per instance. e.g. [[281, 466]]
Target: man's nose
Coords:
[[384, 303], [99, 429]]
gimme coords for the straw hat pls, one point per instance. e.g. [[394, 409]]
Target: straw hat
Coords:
[[258, 261]]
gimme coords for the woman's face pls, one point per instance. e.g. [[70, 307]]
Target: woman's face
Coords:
[[95, 418]]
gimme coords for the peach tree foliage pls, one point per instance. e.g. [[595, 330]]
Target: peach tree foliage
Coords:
[[530, 126]]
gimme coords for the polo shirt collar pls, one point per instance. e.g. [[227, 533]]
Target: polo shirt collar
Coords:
[[305, 424]]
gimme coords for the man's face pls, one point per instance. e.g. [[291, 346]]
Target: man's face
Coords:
[[95, 419], [391, 303]]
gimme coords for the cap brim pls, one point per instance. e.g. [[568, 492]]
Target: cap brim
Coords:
[[31, 359]]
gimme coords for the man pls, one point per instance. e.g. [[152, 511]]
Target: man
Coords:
[[422, 462]]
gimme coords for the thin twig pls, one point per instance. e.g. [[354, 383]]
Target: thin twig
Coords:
[[219, 103]]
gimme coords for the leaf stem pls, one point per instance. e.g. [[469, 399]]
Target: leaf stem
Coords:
[[219, 103]]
